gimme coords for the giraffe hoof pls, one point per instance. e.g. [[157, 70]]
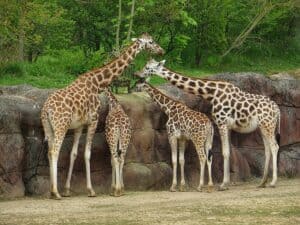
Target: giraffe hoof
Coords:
[[122, 191], [92, 193], [117, 193], [66, 193], [210, 188], [183, 188], [272, 186], [55, 196], [173, 189], [199, 189], [261, 186], [223, 188]]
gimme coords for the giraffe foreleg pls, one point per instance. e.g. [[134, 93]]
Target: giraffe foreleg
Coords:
[[202, 160], [224, 133], [87, 155], [267, 161], [173, 143], [73, 155], [181, 162]]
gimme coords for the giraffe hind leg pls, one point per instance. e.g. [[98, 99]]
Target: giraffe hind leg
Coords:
[[73, 155], [124, 148], [181, 162], [272, 148]]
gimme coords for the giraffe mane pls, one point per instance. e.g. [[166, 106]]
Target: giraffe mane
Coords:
[[194, 78], [174, 100]]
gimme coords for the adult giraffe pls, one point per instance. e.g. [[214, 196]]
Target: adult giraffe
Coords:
[[232, 109], [76, 106]]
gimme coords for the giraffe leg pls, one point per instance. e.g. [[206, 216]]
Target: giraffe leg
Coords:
[[274, 150], [173, 143], [224, 133], [181, 162], [53, 158], [73, 155], [202, 171], [113, 176], [117, 192], [121, 173], [87, 155], [267, 160], [210, 181]]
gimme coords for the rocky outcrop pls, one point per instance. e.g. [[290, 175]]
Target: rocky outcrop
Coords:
[[23, 156]]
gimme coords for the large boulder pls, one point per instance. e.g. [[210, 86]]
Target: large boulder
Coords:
[[24, 167]]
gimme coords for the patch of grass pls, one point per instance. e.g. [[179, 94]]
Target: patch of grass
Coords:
[[58, 69]]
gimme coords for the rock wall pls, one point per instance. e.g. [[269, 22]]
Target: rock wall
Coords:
[[23, 157]]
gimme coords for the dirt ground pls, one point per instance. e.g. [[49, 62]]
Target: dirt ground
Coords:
[[243, 203]]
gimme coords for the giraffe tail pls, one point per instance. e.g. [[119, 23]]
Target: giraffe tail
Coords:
[[278, 130], [209, 142]]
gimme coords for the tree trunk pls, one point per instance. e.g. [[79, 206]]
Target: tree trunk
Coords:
[[240, 39], [198, 56], [118, 27], [131, 20], [21, 38]]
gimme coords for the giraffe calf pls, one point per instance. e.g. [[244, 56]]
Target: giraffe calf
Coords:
[[185, 124], [118, 134]]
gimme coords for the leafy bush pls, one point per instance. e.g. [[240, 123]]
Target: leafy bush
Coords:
[[13, 69]]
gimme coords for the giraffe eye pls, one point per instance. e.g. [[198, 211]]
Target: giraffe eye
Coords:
[[147, 68], [151, 42]]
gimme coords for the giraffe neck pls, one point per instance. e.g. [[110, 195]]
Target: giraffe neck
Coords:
[[112, 101], [100, 78], [162, 100], [207, 89]]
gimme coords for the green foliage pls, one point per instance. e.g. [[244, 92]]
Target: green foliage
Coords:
[[54, 41], [12, 69]]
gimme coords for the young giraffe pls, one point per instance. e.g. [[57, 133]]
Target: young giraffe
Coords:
[[76, 106], [232, 109], [118, 133], [184, 124]]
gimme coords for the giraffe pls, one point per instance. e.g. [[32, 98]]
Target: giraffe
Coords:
[[76, 106], [232, 109], [184, 124], [118, 133]]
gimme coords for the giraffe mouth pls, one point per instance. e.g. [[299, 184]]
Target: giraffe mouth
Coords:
[[138, 74]]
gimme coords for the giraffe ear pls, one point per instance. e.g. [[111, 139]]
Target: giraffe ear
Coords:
[[133, 39], [161, 63], [148, 79]]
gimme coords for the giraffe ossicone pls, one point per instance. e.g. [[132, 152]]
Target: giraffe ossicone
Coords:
[[76, 106], [232, 109]]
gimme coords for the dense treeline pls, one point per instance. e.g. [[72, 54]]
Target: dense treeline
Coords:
[[193, 32]]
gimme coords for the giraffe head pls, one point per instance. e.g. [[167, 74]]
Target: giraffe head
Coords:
[[152, 67], [147, 43]]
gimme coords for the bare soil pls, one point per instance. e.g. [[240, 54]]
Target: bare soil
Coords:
[[243, 203]]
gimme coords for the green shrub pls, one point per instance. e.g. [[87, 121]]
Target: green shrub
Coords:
[[14, 69]]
